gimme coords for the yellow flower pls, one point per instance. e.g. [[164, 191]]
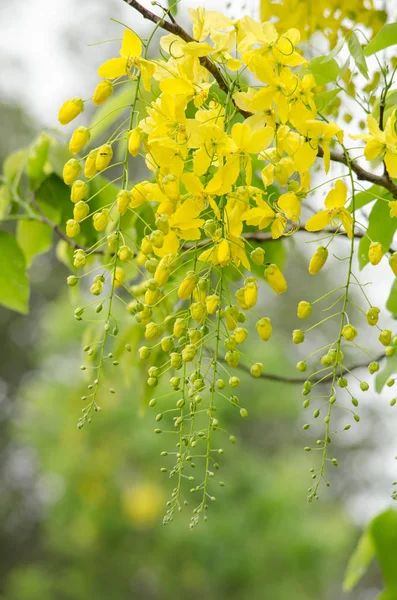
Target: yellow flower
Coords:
[[381, 143], [130, 52], [70, 110], [183, 224], [124, 198], [335, 211]]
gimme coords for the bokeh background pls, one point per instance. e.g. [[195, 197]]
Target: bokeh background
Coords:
[[81, 511]]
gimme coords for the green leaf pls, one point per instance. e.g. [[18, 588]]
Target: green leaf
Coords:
[[5, 200], [14, 285], [370, 195], [383, 530], [391, 303], [389, 369], [173, 5], [37, 160], [359, 561], [323, 72], [381, 228], [14, 164], [321, 100], [335, 51], [387, 36], [34, 238], [358, 54]]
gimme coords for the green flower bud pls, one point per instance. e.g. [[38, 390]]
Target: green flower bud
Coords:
[[364, 386], [301, 366], [72, 280], [232, 358], [349, 332], [176, 360], [373, 367], [298, 336], [385, 337], [304, 309], [234, 381], [258, 256], [256, 369], [221, 384], [373, 315], [389, 350], [144, 352]]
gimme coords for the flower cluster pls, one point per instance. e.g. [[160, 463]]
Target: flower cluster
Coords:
[[215, 149]]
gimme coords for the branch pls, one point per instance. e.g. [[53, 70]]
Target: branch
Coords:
[[184, 35], [362, 174], [298, 380], [44, 219]]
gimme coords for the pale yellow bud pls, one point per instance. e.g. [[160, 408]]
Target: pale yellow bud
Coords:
[[264, 328], [224, 253], [100, 220], [275, 279], [79, 191], [71, 171], [212, 303], [318, 260], [134, 142], [102, 92], [123, 201], [103, 157], [119, 277], [90, 162], [70, 110], [79, 138], [80, 210], [187, 285], [72, 228], [375, 253]]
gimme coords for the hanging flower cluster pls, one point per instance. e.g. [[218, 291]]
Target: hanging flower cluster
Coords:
[[233, 118]]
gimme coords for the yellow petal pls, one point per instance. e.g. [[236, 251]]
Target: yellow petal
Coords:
[[197, 49], [347, 221], [337, 196], [241, 135], [112, 68], [131, 46], [192, 183], [147, 69], [278, 226], [391, 163], [175, 86], [290, 205], [170, 245], [260, 139], [304, 157], [318, 221]]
